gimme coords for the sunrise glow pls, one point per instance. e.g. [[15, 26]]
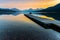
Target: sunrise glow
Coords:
[[26, 4]]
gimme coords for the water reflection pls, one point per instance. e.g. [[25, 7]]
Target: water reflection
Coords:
[[55, 15], [19, 17], [21, 28]]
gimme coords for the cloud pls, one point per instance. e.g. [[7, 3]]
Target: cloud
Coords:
[[26, 0], [24, 4], [27, 5]]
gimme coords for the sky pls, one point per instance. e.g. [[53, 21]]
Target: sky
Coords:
[[26, 4]]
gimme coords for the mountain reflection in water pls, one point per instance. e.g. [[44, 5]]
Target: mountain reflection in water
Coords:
[[20, 17]]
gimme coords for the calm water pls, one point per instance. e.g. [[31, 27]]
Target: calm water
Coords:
[[22, 28]]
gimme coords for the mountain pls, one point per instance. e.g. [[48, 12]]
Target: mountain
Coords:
[[15, 9], [53, 9]]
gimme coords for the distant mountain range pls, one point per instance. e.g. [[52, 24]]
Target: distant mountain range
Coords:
[[8, 11], [55, 8], [53, 11], [32, 10]]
